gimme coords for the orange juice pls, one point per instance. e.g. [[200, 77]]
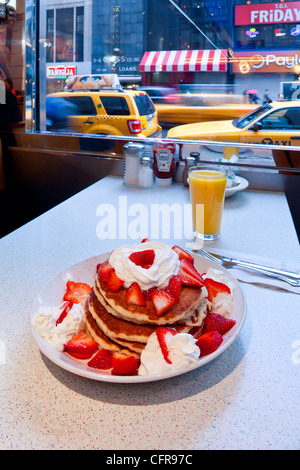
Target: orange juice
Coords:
[[207, 191]]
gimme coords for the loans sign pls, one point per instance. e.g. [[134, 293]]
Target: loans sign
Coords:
[[267, 13]]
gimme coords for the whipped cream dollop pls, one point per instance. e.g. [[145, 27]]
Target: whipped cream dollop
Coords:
[[183, 352], [44, 323], [223, 302], [165, 265]]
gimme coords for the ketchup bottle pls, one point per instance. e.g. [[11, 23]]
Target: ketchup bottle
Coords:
[[164, 162]]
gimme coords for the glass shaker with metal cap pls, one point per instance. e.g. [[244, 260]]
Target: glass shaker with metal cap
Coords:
[[145, 173], [189, 161], [132, 154]]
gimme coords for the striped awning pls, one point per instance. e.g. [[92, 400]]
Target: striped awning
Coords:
[[185, 61]]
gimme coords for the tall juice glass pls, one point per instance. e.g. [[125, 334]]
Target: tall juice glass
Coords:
[[207, 192]]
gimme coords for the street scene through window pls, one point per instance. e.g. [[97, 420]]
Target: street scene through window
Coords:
[[187, 70]]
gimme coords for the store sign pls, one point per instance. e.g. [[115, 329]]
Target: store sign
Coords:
[[60, 72], [295, 31], [265, 62], [267, 13], [252, 33], [279, 33]]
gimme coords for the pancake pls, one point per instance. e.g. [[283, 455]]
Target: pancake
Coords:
[[191, 299], [117, 328], [126, 348]]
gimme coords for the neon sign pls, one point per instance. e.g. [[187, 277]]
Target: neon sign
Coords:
[[252, 33]]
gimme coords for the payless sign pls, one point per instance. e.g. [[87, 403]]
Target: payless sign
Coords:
[[267, 13], [265, 62]]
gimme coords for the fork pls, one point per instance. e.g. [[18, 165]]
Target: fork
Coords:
[[293, 280]]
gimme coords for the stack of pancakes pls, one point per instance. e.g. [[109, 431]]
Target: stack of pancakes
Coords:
[[124, 328]]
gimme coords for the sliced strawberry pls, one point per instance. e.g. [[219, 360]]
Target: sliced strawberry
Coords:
[[215, 321], [189, 274], [66, 308], [215, 287], [182, 254], [81, 346], [148, 293], [113, 283], [103, 271], [143, 258], [77, 292], [161, 333], [102, 360], [174, 287], [209, 342], [126, 365], [145, 240], [162, 301], [134, 295]]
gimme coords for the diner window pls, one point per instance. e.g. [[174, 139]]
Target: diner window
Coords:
[[203, 56]]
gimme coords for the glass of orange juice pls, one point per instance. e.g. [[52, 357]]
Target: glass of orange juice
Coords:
[[207, 192]]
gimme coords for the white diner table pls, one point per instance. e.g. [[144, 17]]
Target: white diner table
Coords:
[[247, 398]]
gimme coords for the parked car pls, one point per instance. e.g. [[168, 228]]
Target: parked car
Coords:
[[106, 111], [276, 123]]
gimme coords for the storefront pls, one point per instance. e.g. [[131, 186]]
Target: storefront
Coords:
[[267, 45], [189, 66]]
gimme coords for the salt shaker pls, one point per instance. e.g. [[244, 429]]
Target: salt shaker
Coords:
[[145, 173], [132, 155], [189, 161]]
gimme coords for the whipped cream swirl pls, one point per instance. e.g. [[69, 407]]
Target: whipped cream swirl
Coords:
[[223, 302], [183, 353], [44, 323], [165, 265]]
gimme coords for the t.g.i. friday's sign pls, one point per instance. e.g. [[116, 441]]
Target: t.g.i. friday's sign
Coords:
[[267, 13]]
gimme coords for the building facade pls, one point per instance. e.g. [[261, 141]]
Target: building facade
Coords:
[[266, 44]]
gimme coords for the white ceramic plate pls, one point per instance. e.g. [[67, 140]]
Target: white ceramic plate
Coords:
[[242, 184], [52, 294]]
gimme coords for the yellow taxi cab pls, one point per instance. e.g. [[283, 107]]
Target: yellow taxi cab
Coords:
[[189, 107], [97, 110], [187, 114], [276, 123], [209, 99]]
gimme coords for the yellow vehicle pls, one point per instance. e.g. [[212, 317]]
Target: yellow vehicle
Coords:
[[187, 114], [103, 111], [276, 123]]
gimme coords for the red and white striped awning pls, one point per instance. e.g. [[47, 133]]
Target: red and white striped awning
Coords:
[[185, 61]]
